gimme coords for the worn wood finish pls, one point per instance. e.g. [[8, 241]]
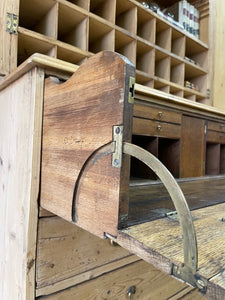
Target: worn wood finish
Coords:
[[148, 241], [75, 125], [155, 128], [114, 285], [192, 142], [20, 134], [84, 255], [156, 113]]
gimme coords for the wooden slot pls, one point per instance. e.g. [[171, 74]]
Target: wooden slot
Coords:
[[169, 155], [146, 25], [39, 16], [201, 82], [125, 45], [194, 46], [212, 163], [101, 36], [30, 43], [52, 52], [72, 27], [178, 45], [178, 93], [201, 59], [191, 97], [159, 85], [104, 8], [222, 159], [82, 3], [165, 89], [162, 67], [145, 60], [138, 168], [126, 15], [177, 73], [71, 54], [163, 35], [144, 79]]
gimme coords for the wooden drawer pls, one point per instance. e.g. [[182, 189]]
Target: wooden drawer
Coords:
[[216, 126], [216, 137], [155, 128], [156, 113], [114, 285]]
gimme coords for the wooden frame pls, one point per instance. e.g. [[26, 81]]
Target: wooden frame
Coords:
[[65, 29]]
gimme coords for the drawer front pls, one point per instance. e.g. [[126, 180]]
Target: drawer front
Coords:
[[216, 126], [155, 128], [155, 113], [216, 137]]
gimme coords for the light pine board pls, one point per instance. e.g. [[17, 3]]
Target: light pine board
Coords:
[[20, 136]]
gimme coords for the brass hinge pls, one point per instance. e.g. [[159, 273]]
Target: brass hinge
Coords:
[[118, 139], [12, 23], [131, 90]]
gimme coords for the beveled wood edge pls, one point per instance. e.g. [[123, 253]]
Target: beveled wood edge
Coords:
[[42, 61], [161, 262], [86, 276], [142, 92]]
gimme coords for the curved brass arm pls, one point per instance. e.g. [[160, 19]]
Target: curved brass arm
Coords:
[[189, 237], [185, 218]]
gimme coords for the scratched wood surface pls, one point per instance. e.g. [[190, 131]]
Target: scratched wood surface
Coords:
[[148, 281], [20, 136], [160, 243], [78, 119]]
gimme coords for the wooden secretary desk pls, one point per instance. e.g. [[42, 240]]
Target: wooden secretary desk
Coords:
[[65, 161]]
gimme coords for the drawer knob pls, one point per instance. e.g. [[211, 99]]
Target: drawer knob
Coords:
[[131, 291], [160, 114], [222, 126], [159, 128]]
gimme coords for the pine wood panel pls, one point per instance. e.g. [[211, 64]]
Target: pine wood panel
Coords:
[[65, 250], [114, 285], [20, 134]]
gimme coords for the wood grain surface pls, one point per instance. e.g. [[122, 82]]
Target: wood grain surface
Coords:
[[79, 116]]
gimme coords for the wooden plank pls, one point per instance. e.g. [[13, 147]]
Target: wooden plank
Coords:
[[82, 252], [114, 285], [192, 141], [148, 241], [51, 65], [85, 276], [20, 134], [8, 50], [74, 127]]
